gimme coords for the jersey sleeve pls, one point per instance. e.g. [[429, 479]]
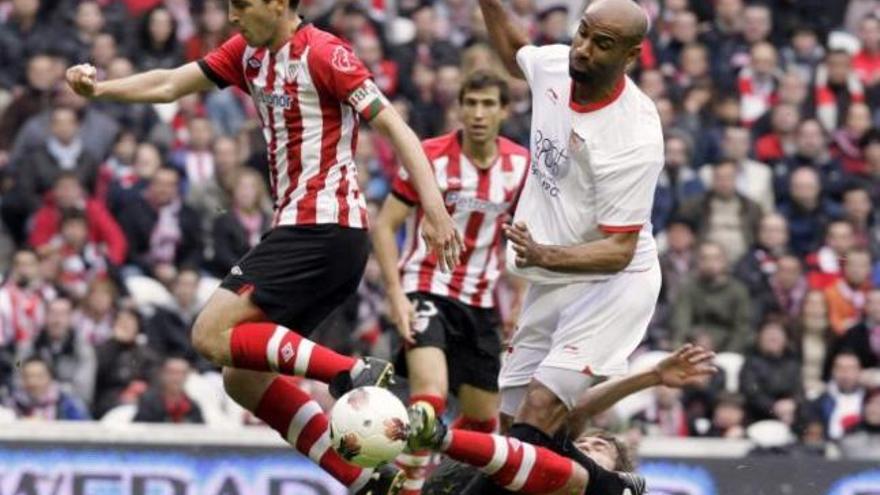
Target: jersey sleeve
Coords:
[[402, 188], [224, 64], [625, 186], [338, 71]]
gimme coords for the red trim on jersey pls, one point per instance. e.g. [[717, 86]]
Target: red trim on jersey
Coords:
[[597, 105], [495, 249], [620, 229], [293, 119], [273, 142], [453, 174]]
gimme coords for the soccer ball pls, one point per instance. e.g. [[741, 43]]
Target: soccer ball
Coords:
[[368, 426]]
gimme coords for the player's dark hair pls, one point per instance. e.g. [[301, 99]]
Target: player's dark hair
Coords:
[[625, 461], [482, 79]]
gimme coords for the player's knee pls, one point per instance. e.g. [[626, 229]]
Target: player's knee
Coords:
[[245, 386], [206, 338]]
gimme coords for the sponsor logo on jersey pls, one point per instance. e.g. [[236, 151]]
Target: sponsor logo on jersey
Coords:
[[465, 203], [274, 99]]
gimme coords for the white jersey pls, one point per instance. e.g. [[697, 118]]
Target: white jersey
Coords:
[[594, 167]]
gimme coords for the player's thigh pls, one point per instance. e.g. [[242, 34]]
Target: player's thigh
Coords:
[[533, 337], [427, 371], [245, 386], [224, 310], [477, 403], [542, 408], [599, 330]]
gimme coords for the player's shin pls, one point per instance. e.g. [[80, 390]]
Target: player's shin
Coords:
[[301, 422]]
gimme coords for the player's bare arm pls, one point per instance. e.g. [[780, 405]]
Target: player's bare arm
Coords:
[[607, 255], [506, 36], [688, 365], [391, 217], [439, 231], [155, 86]]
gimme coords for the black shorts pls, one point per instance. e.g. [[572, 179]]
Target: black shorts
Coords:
[[299, 274], [469, 336]]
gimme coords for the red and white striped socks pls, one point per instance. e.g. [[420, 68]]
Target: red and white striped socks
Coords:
[[271, 347], [416, 464], [300, 420], [517, 466]]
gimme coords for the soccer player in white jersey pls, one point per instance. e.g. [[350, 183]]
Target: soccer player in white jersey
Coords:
[[581, 234], [448, 321], [310, 90]]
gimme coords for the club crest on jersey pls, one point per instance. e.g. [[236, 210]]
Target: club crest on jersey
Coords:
[[254, 63], [293, 69], [341, 60]]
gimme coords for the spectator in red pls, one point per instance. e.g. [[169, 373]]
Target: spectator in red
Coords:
[[80, 261], [166, 401], [825, 265], [866, 62], [845, 141], [119, 166], [835, 88], [385, 72], [758, 81], [68, 194], [780, 141], [846, 297], [213, 30]]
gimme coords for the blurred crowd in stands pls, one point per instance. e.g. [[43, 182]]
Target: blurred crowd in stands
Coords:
[[118, 220]]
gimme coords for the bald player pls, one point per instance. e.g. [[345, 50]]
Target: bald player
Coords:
[[581, 234]]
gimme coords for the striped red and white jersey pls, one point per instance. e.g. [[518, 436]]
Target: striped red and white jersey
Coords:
[[22, 312], [309, 94], [480, 201]]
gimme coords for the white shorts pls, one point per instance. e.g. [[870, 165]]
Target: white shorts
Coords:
[[589, 327]]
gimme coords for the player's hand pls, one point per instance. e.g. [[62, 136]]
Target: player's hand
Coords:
[[443, 239], [83, 79], [528, 252], [687, 366], [403, 315]]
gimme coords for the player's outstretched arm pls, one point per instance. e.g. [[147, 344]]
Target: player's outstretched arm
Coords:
[[438, 229], [505, 35], [686, 366], [155, 86], [391, 217], [610, 254]]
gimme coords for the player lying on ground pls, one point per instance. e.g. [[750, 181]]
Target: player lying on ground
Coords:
[[593, 468], [310, 90]]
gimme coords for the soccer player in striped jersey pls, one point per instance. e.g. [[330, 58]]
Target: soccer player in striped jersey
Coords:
[[310, 91], [448, 321], [595, 464]]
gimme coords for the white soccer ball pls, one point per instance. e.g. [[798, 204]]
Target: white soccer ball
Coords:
[[368, 426]]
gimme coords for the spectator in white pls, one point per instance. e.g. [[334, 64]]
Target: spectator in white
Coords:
[[863, 441], [787, 289], [858, 210], [23, 299], [713, 302], [41, 397], [164, 235], [780, 141], [75, 46], [807, 212], [209, 199], [94, 317], [845, 141], [840, 407], [167, 328], [63, 152], [239, 229], [813, 332], [166, 401], [196, 159], [70, 357], [770, 379], [665, 415], [811, 150], [754, 180], [758, 82], [723, 214], [835, 87], [759, 263], [125, 364], [80, 260], [863, 340], [866, 63]]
